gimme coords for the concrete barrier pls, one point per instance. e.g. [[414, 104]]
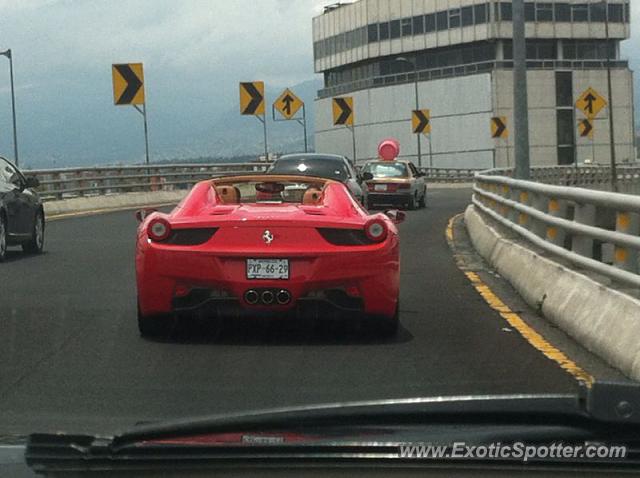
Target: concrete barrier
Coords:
[[97, 204], [604, 320]]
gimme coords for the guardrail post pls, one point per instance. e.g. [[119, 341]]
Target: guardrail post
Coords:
[[540, 203], [555, 235], [584, 214], [623, 257], [523, 219]]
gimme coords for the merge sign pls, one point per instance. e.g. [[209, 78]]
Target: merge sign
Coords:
[[591, 103], [288, 104]]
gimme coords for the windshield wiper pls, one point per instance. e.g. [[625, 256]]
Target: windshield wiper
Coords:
[[347, 432]]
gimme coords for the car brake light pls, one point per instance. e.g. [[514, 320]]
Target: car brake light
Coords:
[[376, 230], [159, 229]]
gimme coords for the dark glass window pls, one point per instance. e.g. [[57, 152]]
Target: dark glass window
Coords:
[[442, 21], [454, 18], [429, 23], [598, 12], [564, 88], [407, 30], [395, 29], [384, 31], [529, 12], [616, 13], [373, 33], [480, 13], [566, 155], [563, 12], [506, 11], [580, 12], [467, 16], [541, 50], [627, 12], [565, 127], [418, 25], [544, 12]]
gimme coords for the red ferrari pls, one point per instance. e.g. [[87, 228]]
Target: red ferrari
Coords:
[[268, 246]]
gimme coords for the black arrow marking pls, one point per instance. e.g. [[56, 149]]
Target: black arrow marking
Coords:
[[590, 99], [133, 84], [287, 100], [346, 111], [256, 98], [588, 127], [424, 122], [500, 127]]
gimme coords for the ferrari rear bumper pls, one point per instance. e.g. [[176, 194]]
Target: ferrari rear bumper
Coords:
[[364, 281]]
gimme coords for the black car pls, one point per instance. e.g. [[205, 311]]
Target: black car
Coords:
[[21, 211], [329, 166]]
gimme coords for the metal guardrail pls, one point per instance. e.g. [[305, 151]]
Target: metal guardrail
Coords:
[[595, 230], [75, 182]]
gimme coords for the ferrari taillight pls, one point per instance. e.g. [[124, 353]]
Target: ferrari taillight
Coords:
[[159, 229], [376, 230]]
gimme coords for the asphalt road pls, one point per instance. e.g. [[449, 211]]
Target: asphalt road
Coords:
[[71, 358]]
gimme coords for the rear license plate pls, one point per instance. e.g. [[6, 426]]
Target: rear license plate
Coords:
[[267, 269], [380, 187]]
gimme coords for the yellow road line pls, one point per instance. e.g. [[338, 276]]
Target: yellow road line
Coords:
[[516, 322]]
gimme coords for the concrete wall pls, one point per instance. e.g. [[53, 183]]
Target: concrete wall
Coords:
[[543, 119], [460, 111]]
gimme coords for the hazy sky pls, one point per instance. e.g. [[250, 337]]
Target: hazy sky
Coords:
[[194, 52]]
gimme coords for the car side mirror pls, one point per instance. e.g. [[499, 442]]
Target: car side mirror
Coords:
[[31, 182], [367, 176], [142, 214], [396, 216]]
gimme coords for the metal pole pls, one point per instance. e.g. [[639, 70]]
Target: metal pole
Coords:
[[353, 138], [415, 69], [520, 100], [13, 108], [612, 143], [430, 153], [304, 125], [266, 146], [146, 132]]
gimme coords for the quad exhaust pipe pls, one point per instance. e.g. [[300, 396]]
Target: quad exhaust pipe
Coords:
[[267, 297]]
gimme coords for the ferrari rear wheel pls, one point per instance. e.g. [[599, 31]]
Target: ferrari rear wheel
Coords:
[[385, 326], [153, 326]]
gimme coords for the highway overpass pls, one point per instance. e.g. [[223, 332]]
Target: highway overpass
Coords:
[[71, 357]]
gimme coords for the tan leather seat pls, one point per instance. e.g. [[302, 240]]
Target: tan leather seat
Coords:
[[311, 197], [228, 194]]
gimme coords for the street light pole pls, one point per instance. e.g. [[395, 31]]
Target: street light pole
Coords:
[[612, 143], [520, 93], [8, 54], [415, 72]]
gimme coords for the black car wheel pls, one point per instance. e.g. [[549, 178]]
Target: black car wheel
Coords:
[[154, 326], [385, 326], [423, 199], [36, 243], [411, 205], [3, 238]]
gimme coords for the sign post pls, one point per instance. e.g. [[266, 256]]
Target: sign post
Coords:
[[343, 115], [288, 105], [252, 104], [128, 89]]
